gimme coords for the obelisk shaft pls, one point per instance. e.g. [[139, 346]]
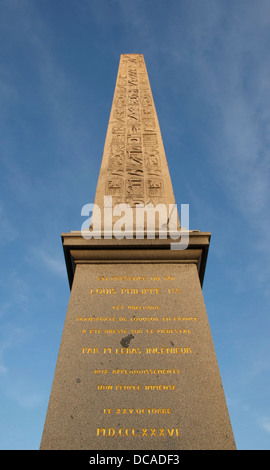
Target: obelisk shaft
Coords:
[[134, 168]]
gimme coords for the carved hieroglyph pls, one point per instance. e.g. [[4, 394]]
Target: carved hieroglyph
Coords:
[[134, 168]]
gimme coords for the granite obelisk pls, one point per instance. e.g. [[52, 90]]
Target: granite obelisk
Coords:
[[136, 367]]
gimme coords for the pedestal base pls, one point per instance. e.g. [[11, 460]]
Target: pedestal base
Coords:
[[137, 367]]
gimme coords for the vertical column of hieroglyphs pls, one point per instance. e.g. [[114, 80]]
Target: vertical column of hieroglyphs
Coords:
[[154, 184], [135, 165], [116, 137]]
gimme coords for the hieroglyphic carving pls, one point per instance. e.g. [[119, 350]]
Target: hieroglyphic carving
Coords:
[[134, 168], [114, 187], [152, 163], [154, 187]]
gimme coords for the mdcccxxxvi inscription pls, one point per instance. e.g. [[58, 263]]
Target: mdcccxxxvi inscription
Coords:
[[138, 432]]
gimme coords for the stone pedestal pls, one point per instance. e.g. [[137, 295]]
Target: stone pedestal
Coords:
[[136, 367]]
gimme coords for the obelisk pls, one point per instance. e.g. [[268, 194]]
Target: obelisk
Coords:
[[136, 367]]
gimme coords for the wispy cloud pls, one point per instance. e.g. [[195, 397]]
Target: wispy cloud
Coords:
[[233, 78], [15, 293], [265, 424], [54, 264], [9, 232], [12, 336]]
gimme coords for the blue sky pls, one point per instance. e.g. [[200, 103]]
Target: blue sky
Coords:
[[209, 67]]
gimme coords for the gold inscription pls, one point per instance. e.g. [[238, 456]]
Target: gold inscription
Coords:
[[146, 371], [136, 278], [138, 411], [124, 331], [144, 319], [168, 351], [143, 290], [94, 319], [103, 291], [128, 278], [173, 331], [129, 388], [162, 350], [90, 351], [135, 432], [128, 351], [143, 307], [137, 307], [134, 290]]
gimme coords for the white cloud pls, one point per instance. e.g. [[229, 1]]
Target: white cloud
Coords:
[[12, 335], [8, 230], [56, 265], [3, 369], [265, 424]]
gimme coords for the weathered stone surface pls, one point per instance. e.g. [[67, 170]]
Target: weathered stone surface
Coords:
[[134, 168], [137, 367]]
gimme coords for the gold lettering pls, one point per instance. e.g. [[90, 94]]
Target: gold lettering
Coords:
[[128, 388], [143, 307], [128, 351], [135, 432], [168, 350], [145, 371], [144, 319], [174, 290], [128, 278], [90, 350], [185, 318], [94, 319], [104, 387], [143, 290], [172, 331], [114, 331], [99, 290], [160, 387]]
